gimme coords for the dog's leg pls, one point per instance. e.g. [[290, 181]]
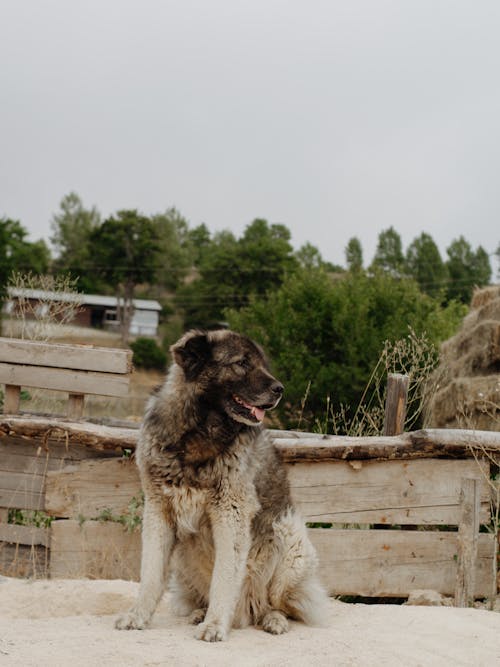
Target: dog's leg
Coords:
[[231, 535], [157, 544]]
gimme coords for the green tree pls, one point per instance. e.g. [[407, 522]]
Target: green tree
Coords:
[[72, 228], [466, 269], [124, 249], [231, 270], [424, 264], [389, 255], [325, 336], [199, 240], [309, 257], [16, 253], [174, 252], [354, 254]]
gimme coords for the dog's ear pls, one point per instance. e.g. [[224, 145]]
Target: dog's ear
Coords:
[[191, 353]]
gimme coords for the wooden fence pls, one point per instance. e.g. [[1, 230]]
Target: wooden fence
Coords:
[[403, 511], [387, 515]]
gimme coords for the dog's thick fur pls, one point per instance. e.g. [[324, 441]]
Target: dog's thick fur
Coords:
[[218, 520]]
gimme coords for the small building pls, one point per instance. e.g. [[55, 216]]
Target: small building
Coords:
[[94, 310]]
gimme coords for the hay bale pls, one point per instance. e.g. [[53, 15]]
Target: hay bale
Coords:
[[473, 353], [484, 295], [468, 394], [467, 403]]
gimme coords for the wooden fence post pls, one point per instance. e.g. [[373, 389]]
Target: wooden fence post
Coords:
[[468, 530], [395, 403]]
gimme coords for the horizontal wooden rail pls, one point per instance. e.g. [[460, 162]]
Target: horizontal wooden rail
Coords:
[[63, 355]]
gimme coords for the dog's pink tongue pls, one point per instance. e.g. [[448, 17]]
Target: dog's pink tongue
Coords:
[[258, 413]]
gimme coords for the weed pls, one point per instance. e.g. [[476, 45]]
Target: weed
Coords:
[[130, 519]]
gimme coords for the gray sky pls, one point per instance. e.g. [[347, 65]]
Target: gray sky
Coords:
[[338, 118]]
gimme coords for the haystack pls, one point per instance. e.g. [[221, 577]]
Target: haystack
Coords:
[[468, 393]]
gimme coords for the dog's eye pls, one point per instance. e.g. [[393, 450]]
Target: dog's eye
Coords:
[[241, 363]]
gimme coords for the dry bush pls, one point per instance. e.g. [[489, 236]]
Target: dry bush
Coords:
[[414, 356], [42, 304]]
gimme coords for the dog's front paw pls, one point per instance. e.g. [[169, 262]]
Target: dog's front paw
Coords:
[[275, 623], [211, 632], [131, 620]]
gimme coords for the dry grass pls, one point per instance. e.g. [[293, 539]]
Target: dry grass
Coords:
[[129, 408]]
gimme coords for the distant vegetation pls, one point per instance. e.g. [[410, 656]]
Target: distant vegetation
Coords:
[[324, 326]]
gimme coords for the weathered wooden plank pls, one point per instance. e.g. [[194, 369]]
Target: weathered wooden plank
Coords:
[[26, 535], [63, 355], [22, 491], [391, 563], [95, 550], [11, 399], [392, 492], [75, 406], [17, 560], [89, 488], [24, 464], [424, 491], [61, 379]]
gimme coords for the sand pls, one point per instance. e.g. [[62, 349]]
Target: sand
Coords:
[[70, 623]]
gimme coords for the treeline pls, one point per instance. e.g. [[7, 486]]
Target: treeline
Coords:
[[323, 325]]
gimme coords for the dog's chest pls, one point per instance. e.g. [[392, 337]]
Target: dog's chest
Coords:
[[185, 508]]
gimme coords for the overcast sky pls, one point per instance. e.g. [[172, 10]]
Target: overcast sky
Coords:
[[338, 118]]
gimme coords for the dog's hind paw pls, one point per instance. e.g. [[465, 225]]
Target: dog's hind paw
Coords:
[[211, 632], [131, 620], [275, 623], [197, 616]]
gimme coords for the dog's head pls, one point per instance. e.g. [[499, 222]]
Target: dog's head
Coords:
[[231, 371]]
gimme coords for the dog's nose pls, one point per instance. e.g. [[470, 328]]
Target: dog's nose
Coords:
[[277, 388]]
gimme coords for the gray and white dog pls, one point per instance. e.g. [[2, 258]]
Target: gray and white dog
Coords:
[[218, 520]]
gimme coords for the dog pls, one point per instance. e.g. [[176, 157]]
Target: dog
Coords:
[[218, 520]]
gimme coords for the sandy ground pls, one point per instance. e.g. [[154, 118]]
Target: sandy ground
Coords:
[[70, 623]]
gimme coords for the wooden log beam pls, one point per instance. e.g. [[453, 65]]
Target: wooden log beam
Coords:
[[94, 436], [440, 443]]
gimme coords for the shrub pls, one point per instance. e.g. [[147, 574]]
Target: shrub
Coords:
[[147, 354]]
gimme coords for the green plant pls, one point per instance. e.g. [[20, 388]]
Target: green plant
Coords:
[[148, 354], [29, 518], [130, 519]]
